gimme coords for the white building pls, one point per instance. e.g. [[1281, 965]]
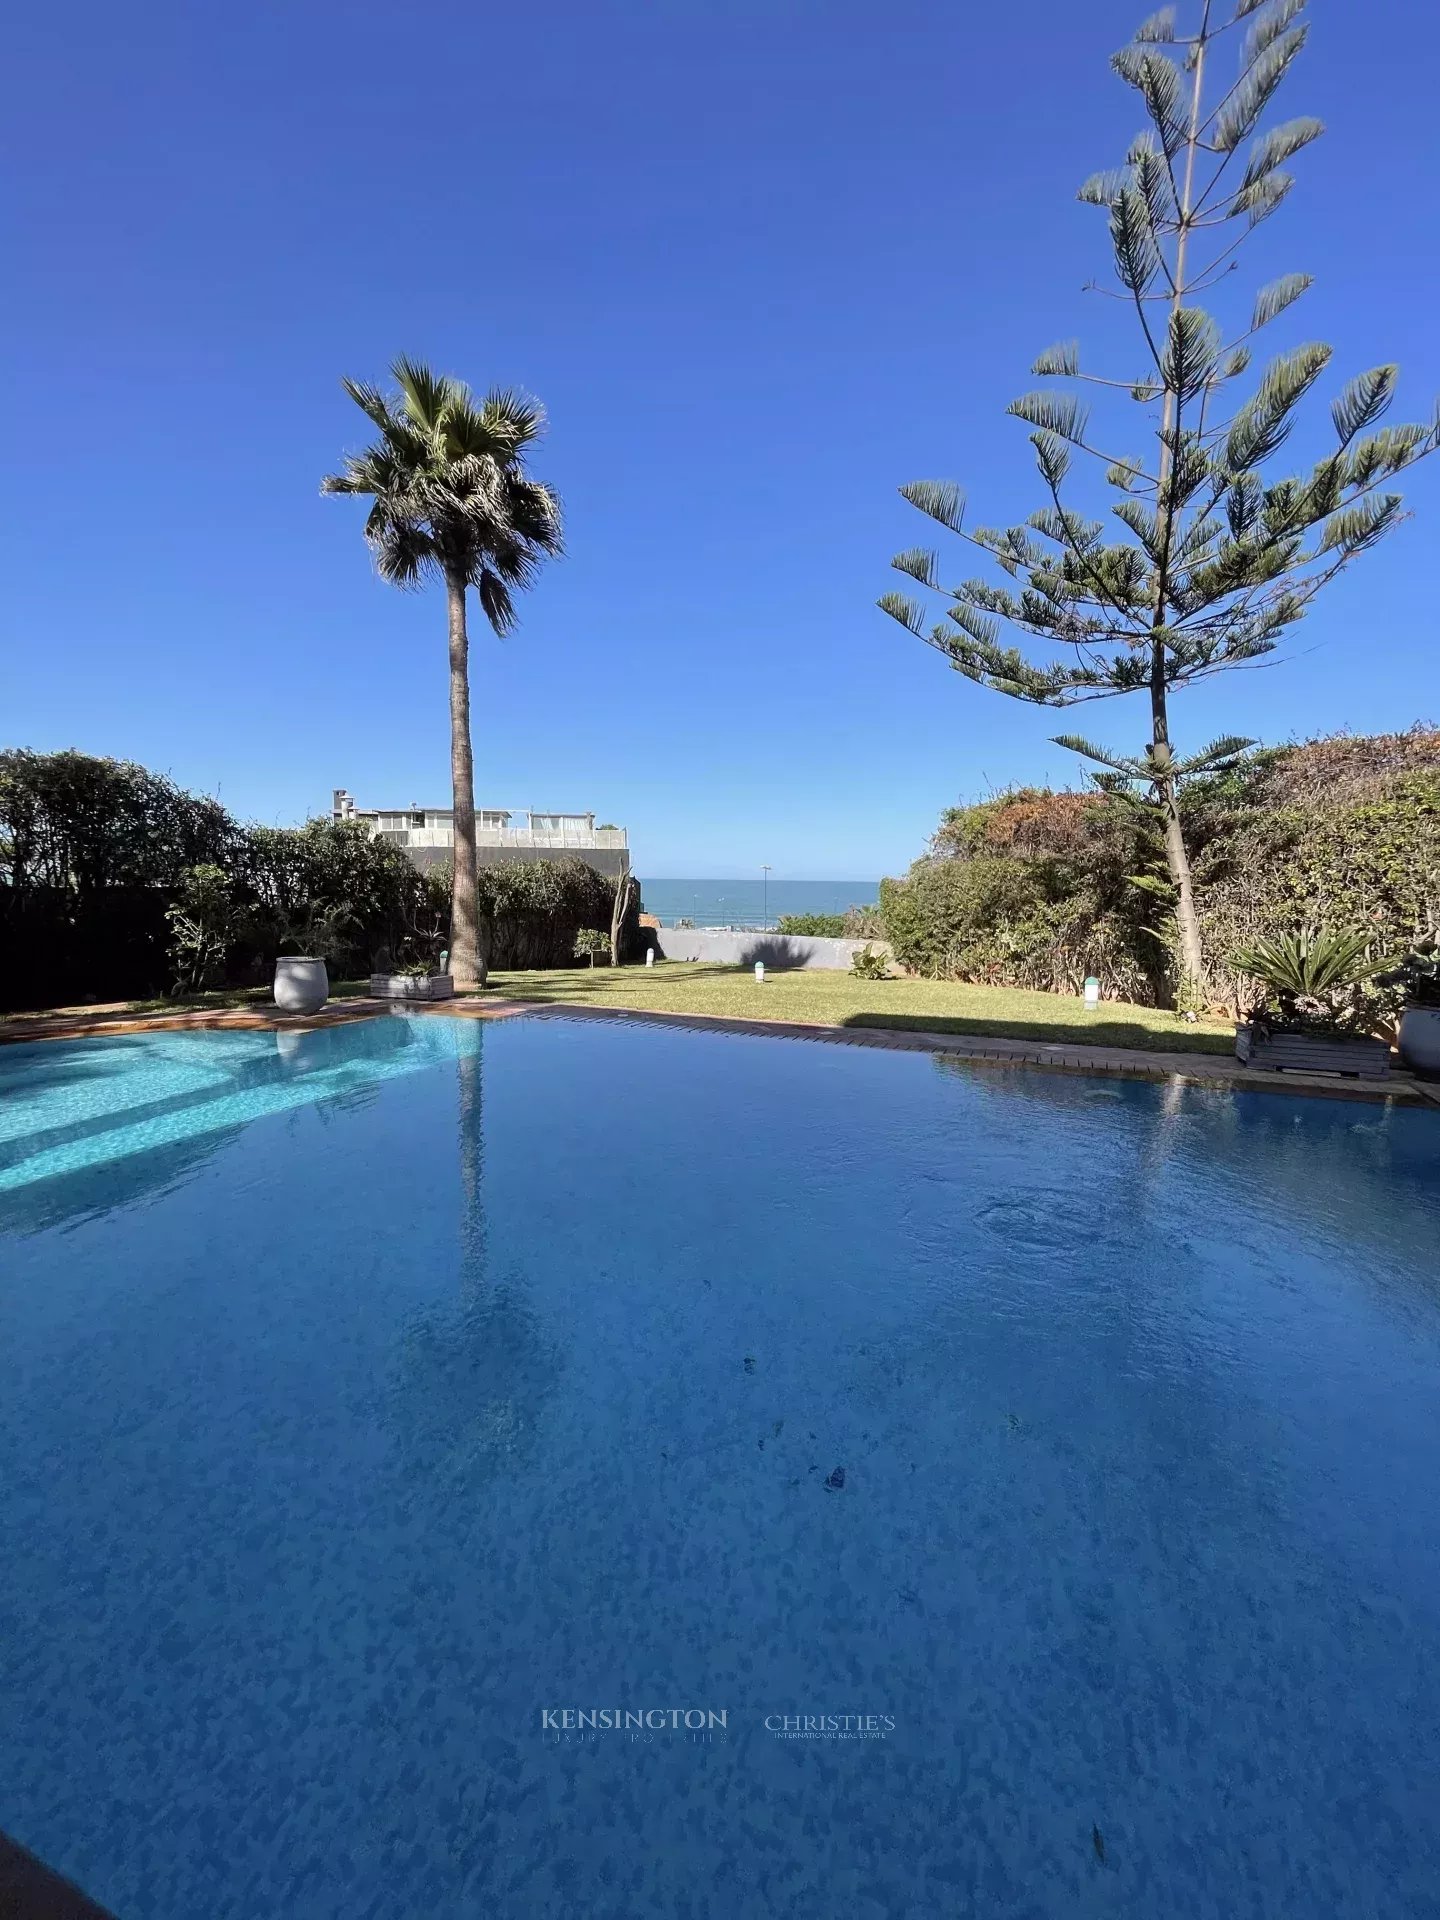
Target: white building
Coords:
[[503, 835]]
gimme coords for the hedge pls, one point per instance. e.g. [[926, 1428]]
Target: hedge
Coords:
[[1036, 888], [95, 853]]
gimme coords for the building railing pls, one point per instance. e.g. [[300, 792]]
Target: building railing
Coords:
[[576, 837]]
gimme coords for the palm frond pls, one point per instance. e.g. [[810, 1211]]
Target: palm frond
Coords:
[[517, 415], [496, 602], [449, 489], [371, 402], [426, 393]]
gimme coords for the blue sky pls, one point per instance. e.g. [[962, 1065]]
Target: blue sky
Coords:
[[762, 260]]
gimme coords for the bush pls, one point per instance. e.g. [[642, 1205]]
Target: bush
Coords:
[[202, 925], [821, 925], [530, 914], [856, 923], [92, 852], [99, 892], [590, 941], [328, 885], [1342, 855], [1038, 889]]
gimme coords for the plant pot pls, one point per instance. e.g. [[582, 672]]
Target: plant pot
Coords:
[[1420, 1040], [412, 986], [1282, 1052], [301, 984]]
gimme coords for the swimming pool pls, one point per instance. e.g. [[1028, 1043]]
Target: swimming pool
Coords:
[[379, 1403]]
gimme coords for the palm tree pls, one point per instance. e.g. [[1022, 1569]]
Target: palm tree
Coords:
[[452, 499]]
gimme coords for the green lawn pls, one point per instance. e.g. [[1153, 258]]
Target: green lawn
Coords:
[[839, 1000], [825, 999]]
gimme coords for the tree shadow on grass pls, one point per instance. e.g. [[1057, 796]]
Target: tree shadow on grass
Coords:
[[1060, 1034]]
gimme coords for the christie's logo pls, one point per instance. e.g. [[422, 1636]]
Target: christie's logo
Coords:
[[830, 1726]]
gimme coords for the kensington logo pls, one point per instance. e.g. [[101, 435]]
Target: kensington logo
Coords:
[[632, 1720]]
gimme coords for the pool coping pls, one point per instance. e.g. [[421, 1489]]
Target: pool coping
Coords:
[[1216, 1070], [105, 1023], [1175, 1068]]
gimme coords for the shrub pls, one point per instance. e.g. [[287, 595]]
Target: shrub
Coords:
[[202, 925], [856, 923], [1418, 975], [329, 888], [821, 925], [867, 964], [590, 940], [1037, 889], [98, 894]]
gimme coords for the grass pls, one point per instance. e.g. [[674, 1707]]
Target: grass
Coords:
[[839, 1000], [820, 999]]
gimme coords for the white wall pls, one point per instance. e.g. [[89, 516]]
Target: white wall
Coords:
[[780, 951]]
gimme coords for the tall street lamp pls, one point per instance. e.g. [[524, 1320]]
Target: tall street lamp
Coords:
[[765, 898]]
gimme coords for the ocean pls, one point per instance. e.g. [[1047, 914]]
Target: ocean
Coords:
[[749, 902]]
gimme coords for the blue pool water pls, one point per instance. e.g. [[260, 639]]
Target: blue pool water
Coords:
[[369, 1395]]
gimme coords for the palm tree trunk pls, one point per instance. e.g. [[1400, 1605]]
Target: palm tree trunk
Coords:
[[464, 944]]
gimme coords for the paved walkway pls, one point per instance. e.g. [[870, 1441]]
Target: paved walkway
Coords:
[[985, 1050], [80, 1023]]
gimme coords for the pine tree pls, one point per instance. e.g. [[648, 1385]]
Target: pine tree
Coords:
[[1216, 558]]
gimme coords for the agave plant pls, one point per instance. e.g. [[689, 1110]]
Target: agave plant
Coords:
[[1304, 973]]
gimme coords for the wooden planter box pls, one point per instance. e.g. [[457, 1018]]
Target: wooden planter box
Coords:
[[1354, 1054], [411, 986]]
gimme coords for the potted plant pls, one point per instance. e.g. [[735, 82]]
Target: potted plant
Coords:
[[417, 980], [419, 970], [1305, 1019], [1419, 975], [302, 979]]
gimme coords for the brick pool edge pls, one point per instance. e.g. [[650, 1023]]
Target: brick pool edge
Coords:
[[1178, 1068]]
